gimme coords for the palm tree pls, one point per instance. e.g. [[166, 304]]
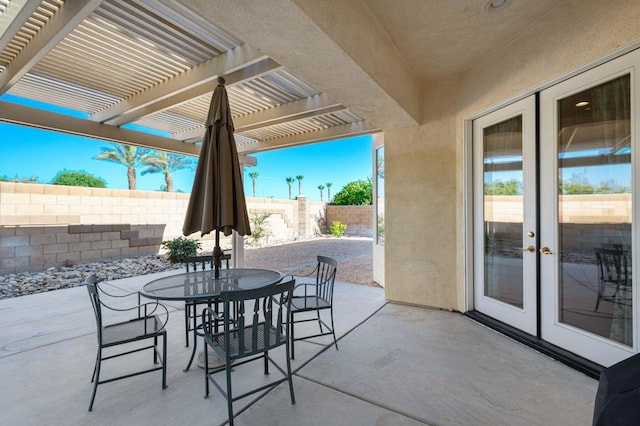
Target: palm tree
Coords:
[[165, 163], [289, 182], [254, 177], [321, 188], [329, 185], [127, 155], [299, 178]]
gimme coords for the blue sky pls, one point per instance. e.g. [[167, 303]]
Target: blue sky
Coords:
[[28, 152]]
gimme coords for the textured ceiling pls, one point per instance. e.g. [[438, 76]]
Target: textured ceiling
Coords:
[[441, 38]]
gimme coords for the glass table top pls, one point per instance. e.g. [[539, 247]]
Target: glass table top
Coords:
[[202, 285]]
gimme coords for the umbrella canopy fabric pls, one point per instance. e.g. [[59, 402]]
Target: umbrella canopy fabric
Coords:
[[217, 200]]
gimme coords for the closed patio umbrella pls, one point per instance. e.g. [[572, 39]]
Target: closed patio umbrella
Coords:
[[217, 198]]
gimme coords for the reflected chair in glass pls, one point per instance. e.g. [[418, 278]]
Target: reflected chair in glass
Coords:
[[259, 326], [613, 271], [313, 298], [195, 263], [147, 325]]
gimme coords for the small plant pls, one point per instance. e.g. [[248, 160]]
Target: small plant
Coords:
[[337, 228], [181, 247], [259, 228]]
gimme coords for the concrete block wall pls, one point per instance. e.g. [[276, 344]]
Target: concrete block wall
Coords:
[[283, 222], [359, 219], [42, 226], [583, 208]]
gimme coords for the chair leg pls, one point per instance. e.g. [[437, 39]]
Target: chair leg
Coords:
[[319, 321], [187, 316], [293, 340], [164, 361], [229, 394], [293, 397], [195, 343], [266, 362], [206, 371], [333, 329], [95, 366], [600, 291], [155, 349], [96, 377]]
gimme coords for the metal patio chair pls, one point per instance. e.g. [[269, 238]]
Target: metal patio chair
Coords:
[[195, 263], [314, 297], [145, 326], [259, 326], [613, 271]]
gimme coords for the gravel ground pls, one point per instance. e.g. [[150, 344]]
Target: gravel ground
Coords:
[[354, 256]]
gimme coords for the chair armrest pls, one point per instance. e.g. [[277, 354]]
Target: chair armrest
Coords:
[[313, 271], [145, 310], [103, 291], [305, 286]]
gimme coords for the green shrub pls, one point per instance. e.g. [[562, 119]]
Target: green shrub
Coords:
[[78, 178], [337, 228], [356, 193], [181, 247]]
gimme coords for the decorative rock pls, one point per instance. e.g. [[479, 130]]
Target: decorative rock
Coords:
[[22, 284]]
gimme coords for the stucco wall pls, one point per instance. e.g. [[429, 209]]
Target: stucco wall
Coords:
[[426, 216], [420, 203]]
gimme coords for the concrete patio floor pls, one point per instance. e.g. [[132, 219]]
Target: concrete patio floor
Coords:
[[396, 365]]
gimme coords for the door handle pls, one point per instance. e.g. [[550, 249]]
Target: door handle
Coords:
[[530, 249], [545, 250]]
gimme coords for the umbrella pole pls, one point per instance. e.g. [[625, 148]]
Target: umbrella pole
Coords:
[[217, 255]]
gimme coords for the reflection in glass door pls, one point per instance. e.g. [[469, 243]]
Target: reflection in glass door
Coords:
[[587, 232], [504, 184]]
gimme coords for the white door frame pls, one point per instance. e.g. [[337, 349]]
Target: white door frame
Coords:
[[524, 318], [599, 349]]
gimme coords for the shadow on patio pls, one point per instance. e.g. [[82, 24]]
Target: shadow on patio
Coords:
[[395, 365]]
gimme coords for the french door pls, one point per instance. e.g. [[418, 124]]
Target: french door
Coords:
[[505, 215], [556, 259], [589, 128]]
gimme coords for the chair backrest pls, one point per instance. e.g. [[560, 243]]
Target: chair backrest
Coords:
[[94, 295], [193, 263], [261, 320], [613, 266], [325, 277]]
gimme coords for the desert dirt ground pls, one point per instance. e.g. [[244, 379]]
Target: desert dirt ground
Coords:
[[354, 256]]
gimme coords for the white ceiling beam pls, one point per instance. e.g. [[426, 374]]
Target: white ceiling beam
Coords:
[[247, 160], [303, 108], [296, 110], [247, 73], [13, 18], [32, 117], [332, 133], [70, 15], [158, 97]]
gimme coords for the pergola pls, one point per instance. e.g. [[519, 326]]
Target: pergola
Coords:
[[154, 64], [292, 78]]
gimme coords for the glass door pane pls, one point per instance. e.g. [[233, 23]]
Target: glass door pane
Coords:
[[503, 211], [594, 210]]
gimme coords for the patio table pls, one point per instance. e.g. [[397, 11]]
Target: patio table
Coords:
[[202, 286]]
